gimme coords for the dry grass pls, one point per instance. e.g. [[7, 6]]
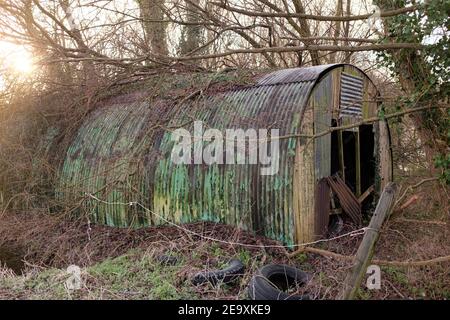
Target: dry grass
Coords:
[[110, 255]]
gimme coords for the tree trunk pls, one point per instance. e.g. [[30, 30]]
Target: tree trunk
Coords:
[[155, 29], [413, 73], [347, 30], [337, 30], [306, 32], [191, 37], [90, 80]]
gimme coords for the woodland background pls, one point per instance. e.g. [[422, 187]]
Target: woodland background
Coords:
[[68, 53]]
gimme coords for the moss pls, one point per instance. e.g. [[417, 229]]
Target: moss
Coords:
[[363, 294], [139, 275], [324, 279], [217, 251], [244, 256], [135, 275], [47, 284], [397, 275], [113, 269], [302, 257]]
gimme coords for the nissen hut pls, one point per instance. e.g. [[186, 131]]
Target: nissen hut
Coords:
[[330, 161]]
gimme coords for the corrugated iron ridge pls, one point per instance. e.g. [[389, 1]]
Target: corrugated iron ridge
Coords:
[[274, 212], [294, 75], [351, 95], [90, 170], [274, 193]]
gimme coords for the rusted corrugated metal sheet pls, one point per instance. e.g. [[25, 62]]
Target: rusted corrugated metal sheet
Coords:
[[351, 95], [236, 194], [107, 159], [349, 202], [121, 154], [104, 160], [294, 75]]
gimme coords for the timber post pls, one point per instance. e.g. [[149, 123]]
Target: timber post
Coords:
[[365, 251]]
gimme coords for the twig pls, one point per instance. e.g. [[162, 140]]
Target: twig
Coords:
[[353, 233], [383, 14], [410, 201], [442, 223], [418, 263], [413, 187]]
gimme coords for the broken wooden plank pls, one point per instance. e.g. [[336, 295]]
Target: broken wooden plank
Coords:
[[365, 251], [366, 194], [385, 154]]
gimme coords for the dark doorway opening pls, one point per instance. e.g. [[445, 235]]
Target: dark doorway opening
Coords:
[[349, 145], [353, 158], [367, 149], [335, 168]]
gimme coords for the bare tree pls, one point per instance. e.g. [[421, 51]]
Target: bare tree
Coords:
[[192, 32], [88, 66], [337, 29], [103, 40], [155, 28]]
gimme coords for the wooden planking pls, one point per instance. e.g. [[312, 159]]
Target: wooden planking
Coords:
[[366, 249], [369, 99], [304, 183], [373, 103], [385, 160], [322, 207]]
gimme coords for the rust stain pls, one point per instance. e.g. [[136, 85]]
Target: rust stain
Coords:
[[121, 154], [348, 200]]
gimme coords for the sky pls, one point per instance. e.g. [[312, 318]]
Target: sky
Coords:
[[15, 58], [18, 60]]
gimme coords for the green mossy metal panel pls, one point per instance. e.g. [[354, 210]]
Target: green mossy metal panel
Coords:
[[321, 100], [237, 194], [121, 154]]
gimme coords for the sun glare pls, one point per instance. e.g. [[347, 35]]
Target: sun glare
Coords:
[[16, 58]]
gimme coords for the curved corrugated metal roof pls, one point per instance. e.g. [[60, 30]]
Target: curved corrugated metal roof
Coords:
[[122, 154], [295, 74]]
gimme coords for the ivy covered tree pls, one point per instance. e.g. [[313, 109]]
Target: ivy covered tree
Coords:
[[423, 74]]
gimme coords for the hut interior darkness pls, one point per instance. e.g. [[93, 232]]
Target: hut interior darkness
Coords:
[[122, 154]]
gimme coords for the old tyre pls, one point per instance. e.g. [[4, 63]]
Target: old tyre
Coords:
[[234, 270], [271, 282]]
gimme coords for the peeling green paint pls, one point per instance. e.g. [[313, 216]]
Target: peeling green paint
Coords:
[[121, 154]]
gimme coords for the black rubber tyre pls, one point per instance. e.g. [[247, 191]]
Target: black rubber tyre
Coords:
[[234, 270], [271, 280]]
